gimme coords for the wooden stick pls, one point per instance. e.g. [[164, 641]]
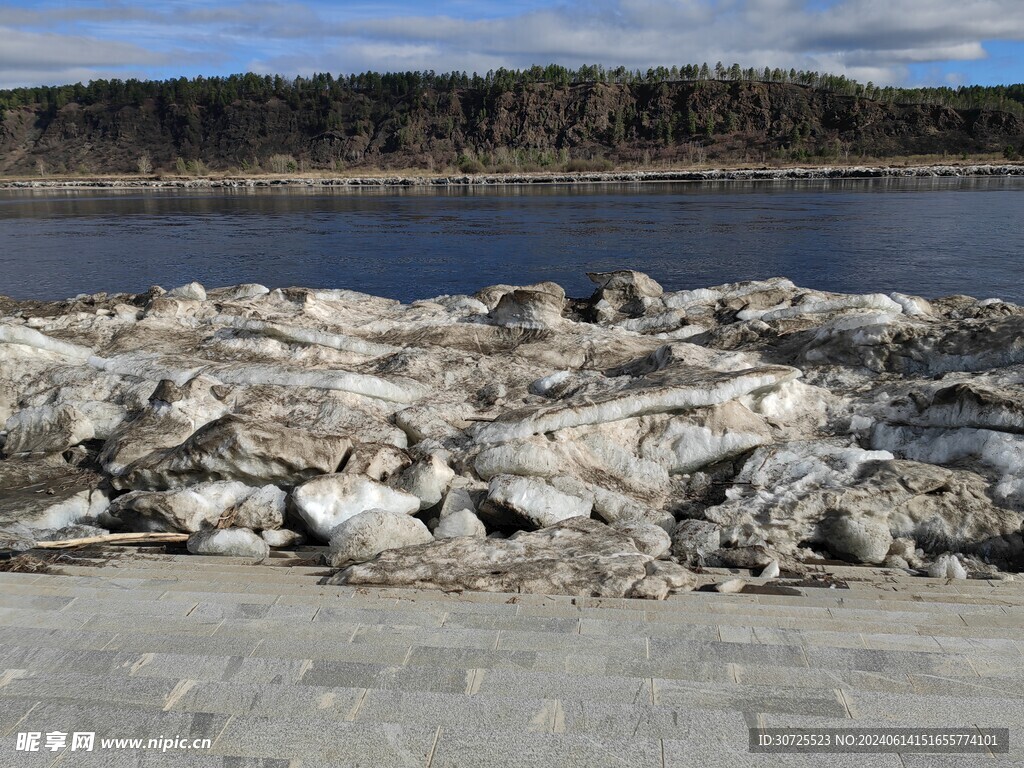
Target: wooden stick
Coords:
[[115, 538]]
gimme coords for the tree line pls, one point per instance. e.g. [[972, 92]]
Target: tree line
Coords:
[[325, 88]]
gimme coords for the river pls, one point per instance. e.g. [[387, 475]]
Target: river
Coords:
[[930, 237]]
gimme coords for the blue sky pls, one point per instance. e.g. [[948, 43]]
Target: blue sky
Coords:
[[905, 42]]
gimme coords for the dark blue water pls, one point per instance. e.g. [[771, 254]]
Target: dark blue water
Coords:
[[930, 237]]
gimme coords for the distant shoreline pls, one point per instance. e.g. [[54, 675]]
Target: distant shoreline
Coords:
[[508, 179]]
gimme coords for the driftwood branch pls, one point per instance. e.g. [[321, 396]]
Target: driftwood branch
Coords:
[[115, 538]]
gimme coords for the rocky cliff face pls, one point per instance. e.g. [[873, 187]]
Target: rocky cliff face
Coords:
[[531, 125]]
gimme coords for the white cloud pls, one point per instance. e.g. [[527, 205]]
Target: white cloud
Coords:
[[52, 59], [25, 49], [868, 39]]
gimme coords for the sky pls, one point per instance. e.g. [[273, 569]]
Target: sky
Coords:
[[897, 42]]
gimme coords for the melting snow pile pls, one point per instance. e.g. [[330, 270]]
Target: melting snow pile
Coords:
[[744, 423]]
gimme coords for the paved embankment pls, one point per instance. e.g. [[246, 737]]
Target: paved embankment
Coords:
[[279, 670]]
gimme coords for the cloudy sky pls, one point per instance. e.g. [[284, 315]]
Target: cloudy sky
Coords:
[[907, 42]]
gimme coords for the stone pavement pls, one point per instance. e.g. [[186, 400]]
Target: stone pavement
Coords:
[[278, 670]]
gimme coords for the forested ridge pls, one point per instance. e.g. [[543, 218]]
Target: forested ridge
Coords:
[[542, 117]]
